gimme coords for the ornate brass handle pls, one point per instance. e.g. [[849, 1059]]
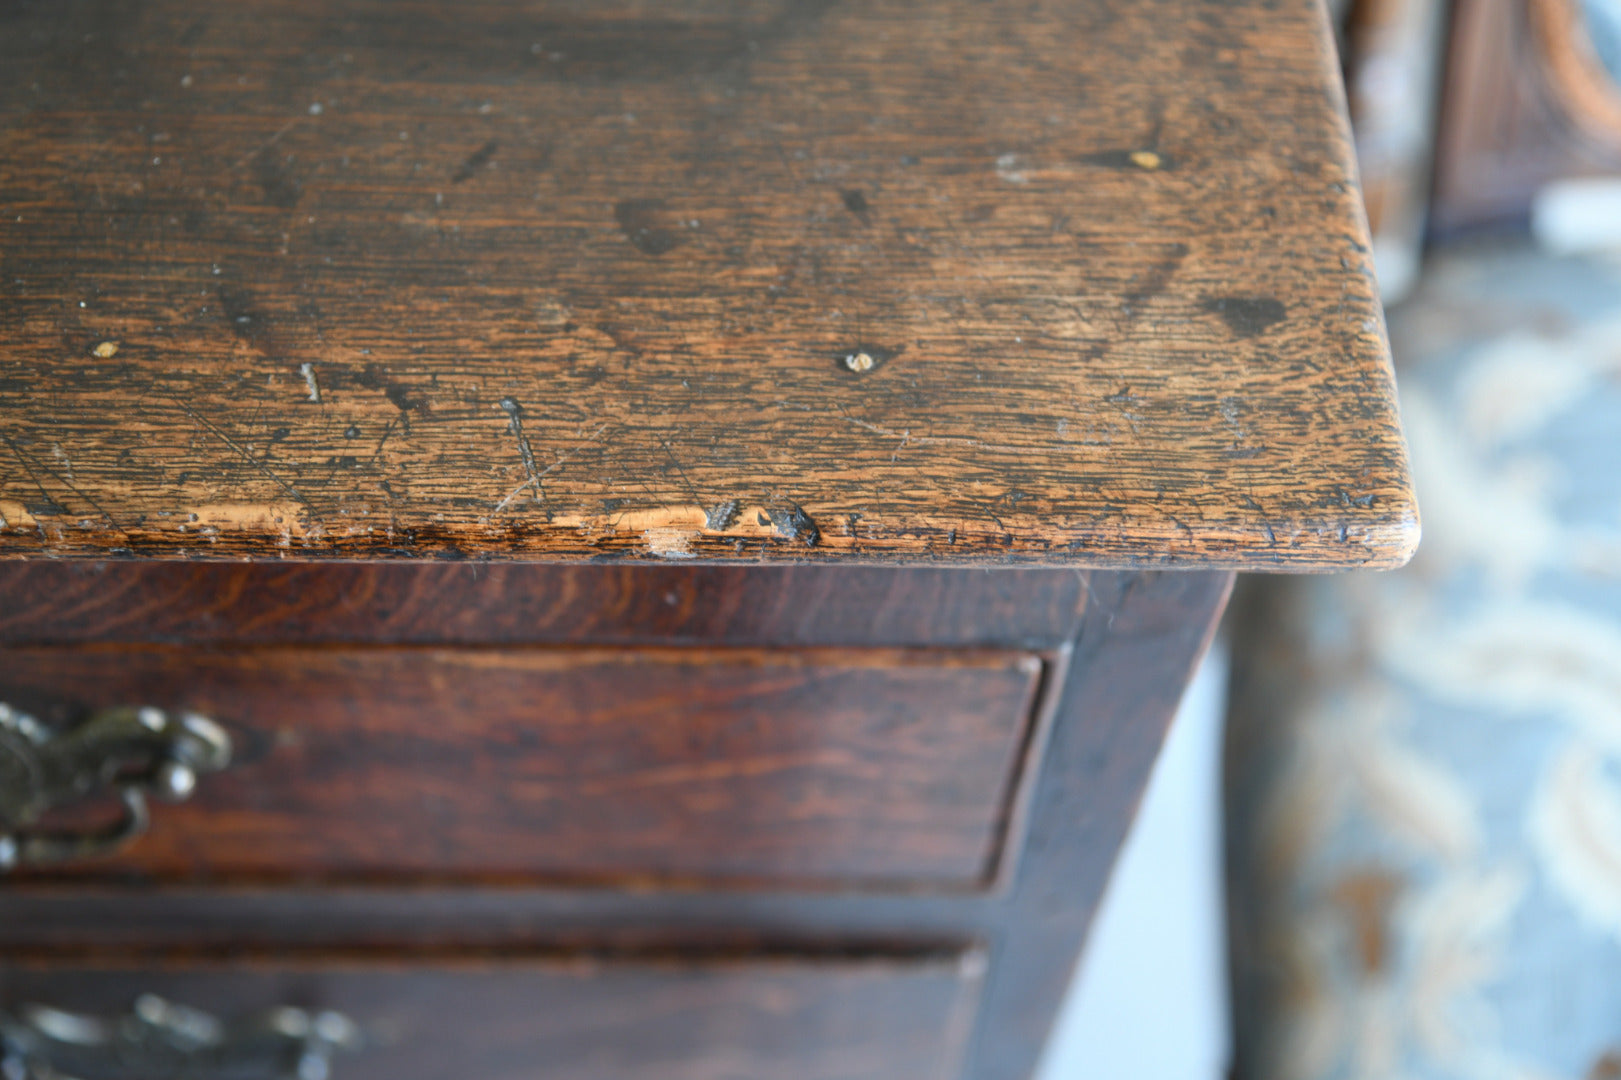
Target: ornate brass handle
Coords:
[[159, 1040], [134, 751]]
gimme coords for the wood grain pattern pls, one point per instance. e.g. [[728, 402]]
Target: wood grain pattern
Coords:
[[974, 282], [877, 768], [44, 602], [581, 1018], [1138, 638]]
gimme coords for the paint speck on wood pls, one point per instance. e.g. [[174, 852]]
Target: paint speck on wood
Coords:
[[1008, 168]]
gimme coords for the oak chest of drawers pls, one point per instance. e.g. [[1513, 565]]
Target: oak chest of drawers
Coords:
[[636, 540]]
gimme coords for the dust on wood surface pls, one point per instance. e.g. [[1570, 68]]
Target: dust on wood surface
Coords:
[[1072, 282]]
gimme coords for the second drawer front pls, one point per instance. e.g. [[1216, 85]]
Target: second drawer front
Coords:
[[750, 1018], [867, 767]]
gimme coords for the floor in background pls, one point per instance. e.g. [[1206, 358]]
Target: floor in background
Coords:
[[1150, 999]]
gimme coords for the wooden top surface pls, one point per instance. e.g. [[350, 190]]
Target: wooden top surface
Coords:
[[1060, 281]]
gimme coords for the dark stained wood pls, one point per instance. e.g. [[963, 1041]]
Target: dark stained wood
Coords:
[[729, 281], [1140, 636], [873, 768], [575, 1019], [68, 601], [1081, 283]]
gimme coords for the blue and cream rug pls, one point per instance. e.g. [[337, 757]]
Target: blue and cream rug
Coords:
[[1424, 767]]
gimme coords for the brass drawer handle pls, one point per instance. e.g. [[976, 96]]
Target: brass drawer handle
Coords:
[[134, 751], [159, 1040]]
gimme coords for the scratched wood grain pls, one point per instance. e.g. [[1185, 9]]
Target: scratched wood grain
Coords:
[[1075, 282]]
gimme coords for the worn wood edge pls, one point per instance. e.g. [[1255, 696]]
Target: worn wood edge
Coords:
[[1383, 545], [1396, 535]]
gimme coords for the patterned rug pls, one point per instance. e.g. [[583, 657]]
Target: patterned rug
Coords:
[[1424, 768]]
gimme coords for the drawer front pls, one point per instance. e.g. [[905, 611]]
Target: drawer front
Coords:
[[746, 1019], [873, 767]]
